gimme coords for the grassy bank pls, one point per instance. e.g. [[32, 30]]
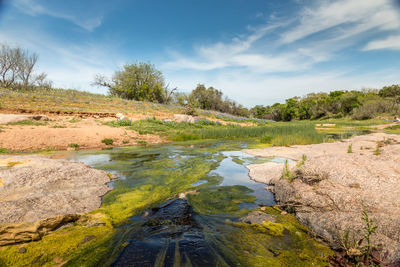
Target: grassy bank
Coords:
[[280, 134]]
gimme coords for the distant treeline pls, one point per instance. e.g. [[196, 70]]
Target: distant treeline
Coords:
[[360, 105], [143, 82]]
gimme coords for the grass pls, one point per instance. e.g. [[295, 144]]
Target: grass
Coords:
[[28, 122], [58, 126], [3, 150], [280, 134], [347, 122]]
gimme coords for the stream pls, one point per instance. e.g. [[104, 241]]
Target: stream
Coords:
[[183, 203]]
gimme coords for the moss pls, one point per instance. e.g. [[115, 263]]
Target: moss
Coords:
[[13, 163], [61, 245], [151, 176], [223, 199], [283, 243], [274, 228]]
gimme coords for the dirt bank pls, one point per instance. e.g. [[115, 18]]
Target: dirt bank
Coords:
[[46, 191], [329, 192], [59, 132]]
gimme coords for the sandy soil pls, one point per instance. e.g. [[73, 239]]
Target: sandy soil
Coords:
[[331, 189], [87, 133]]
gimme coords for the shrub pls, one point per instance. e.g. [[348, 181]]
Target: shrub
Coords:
[[73, 145], [373, 107], [107, 141]]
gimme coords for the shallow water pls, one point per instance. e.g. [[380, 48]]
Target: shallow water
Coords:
[[191, 232]]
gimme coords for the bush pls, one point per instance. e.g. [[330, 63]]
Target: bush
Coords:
[[107, 141], [373, 107]]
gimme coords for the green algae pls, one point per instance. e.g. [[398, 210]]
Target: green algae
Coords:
[[58, 247], [288, 244], [220, 200], [152, 175]]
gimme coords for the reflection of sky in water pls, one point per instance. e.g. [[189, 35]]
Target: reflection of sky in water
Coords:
[[93, 160], [237, 174], [233, 173]]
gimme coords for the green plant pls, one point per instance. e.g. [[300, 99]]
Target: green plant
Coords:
[[3, 150], [287, 174], [28, 122], [377, 151], [302, 161], [73, 145], [58, 126], [350, 148], [107, 141], [125, 142], [360, 251]]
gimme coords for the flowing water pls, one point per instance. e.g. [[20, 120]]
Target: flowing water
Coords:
[[156, 227]]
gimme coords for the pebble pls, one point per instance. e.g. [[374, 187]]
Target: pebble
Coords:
[[22, 250]]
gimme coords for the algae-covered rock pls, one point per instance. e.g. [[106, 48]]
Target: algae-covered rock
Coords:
[[284, 242], [25, 232]]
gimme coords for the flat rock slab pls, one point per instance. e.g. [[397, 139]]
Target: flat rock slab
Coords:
[[37, 187], [333, 187], [10, 118]]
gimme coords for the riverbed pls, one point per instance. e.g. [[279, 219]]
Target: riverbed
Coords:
[[195, 219]]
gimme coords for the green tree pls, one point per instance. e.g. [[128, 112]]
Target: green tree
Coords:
[[390, 91], [139, 81]]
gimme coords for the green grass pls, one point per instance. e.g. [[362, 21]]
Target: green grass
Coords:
[[280, 134], [394, 127], [28, 122], [347, 122], [58, 126], [3, 150]]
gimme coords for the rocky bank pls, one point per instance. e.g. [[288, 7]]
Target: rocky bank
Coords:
[[39, 194], [335, 182]]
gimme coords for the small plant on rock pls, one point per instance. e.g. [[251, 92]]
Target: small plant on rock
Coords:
[[377, 151], [287, 174], [350, 148], [302, 161], [360, 252]]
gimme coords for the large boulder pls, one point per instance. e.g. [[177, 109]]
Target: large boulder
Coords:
[[38, 194]]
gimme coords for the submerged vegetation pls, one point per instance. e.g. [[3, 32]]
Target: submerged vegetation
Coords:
[[152, 175]]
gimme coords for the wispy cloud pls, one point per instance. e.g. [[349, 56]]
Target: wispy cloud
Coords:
[[351, 16], [33, 8], [322, 30], [391, 42]]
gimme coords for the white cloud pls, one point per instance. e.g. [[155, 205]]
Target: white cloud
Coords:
[[68, 65], [392, 42], [353, 16], [32, 8]]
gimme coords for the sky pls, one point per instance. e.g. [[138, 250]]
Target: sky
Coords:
[[255, 51]]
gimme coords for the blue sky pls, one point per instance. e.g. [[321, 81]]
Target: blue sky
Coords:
[[256, 52]]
